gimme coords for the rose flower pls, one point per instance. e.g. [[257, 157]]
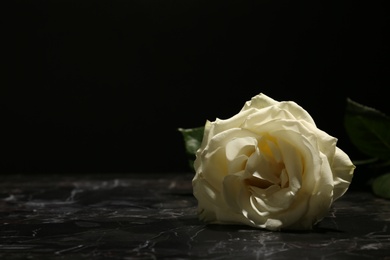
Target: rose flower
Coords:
[[269, 167]]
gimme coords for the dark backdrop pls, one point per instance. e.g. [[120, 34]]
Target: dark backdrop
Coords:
[[102, 86]]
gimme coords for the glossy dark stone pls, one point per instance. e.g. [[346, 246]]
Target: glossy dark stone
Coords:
[[153, 216]]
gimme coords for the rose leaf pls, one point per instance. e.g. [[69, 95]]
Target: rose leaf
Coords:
[[381, 186], [368, 129], [192, 140]]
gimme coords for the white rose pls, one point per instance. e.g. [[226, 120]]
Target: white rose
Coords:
[[269, 167]]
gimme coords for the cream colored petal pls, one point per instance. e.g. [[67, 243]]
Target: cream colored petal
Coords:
[[212, 160], [220, 125], [212, 207], [321, 197], [232, 192], [284, 179], [259, 101], [273, 199], [237, 197], [297, 111], [237, 152], [255, 121], [207, 198], [293, 158], [298, 146], [274, 151], [213, 166], [274, 224], [326, 143], [240, 146], [343, 170], [293, 214], [259, 167], [206, 135]]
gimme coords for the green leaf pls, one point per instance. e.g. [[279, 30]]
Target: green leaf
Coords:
[[192, 141], [368, 129], [192, 138], [381, 186]]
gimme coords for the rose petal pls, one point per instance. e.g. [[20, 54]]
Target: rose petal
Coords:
[[273, 199], [292, 159], [237, 198], [326, 143], [258, 118], [297, 111], [343, 169], [259, 167], [320, 197], [237, 152], [213, 156], [221, 125], [259, 101]]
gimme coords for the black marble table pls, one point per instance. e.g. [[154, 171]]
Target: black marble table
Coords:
[[153, 216]]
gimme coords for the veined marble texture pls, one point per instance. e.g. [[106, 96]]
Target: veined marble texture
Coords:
[[153, 216]]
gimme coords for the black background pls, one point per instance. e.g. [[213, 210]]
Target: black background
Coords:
[[102, 86]]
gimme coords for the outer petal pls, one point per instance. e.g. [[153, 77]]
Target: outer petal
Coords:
[[212, 162], [262, 101], [206, 136], [259, 101], [221, 125], [326, 142], [297, 111], [320, 197], [343, 169], [207, 198]]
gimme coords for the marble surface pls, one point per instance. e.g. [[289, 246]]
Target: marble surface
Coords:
[[153, 216]]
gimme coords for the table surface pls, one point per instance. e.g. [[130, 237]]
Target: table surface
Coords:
[[153, 216]]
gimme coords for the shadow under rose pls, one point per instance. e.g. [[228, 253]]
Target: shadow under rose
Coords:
[[243, 228]]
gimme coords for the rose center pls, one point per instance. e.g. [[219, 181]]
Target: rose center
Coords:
[[265, 166]]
